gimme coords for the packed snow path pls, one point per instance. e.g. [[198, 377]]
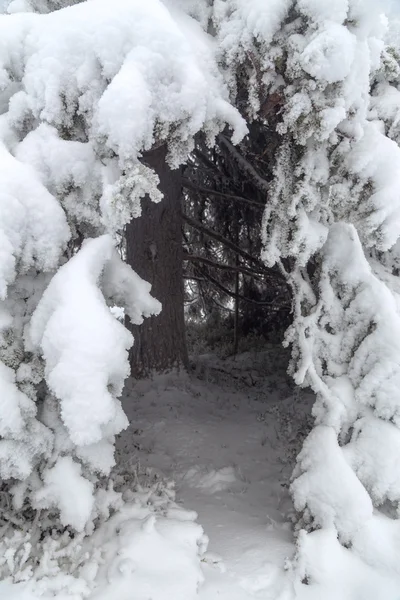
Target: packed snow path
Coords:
[[227, 435]]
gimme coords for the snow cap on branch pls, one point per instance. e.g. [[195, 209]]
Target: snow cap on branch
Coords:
[[78, 335]]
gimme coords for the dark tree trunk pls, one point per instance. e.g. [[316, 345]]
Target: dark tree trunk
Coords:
[[154, 250]]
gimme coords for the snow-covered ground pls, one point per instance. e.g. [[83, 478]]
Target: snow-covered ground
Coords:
[[204, 469], [227, 435]]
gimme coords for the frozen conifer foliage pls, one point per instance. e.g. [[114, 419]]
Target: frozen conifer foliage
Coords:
[[83, 92], [332, 222]]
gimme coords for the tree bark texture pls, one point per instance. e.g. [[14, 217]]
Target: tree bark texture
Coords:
[[154, 251]]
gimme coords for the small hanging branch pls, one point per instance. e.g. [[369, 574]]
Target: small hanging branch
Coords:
[[244, 165], [217, 265], [223, 195], [237, 284], [225, 242]]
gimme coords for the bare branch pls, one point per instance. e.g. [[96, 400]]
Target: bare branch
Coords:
[[228, 292], [205, 160], [191, 186], [193, 278], [216, 236], [244, 165], [218, 265]]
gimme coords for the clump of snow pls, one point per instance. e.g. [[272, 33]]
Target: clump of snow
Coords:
[[329, 56], [326, 487], [68, 168], [240, 22], [34, 231], [376, 464], [319, 10], [77, 334], [66, 489]]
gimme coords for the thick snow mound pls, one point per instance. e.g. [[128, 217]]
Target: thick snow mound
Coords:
[[151, 547], [335, 572], [153, 557]]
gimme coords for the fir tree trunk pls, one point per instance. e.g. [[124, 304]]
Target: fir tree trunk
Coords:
[[154, 250]]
